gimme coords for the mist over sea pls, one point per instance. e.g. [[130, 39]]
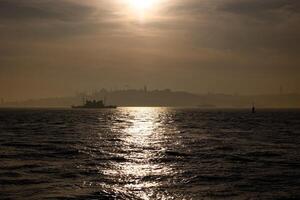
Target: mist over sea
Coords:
[[149, 153]]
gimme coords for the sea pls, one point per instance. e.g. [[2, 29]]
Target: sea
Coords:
[[149, 153]]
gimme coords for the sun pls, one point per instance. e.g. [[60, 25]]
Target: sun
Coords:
[[141, 10], [142, 5]]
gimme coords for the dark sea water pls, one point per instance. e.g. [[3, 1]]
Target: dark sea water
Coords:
[[149, 153]]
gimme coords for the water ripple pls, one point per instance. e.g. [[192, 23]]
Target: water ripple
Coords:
[[149, 153]]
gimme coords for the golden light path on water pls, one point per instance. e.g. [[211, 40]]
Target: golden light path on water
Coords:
[[143, 138]]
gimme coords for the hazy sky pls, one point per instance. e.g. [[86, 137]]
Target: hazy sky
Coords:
[[58, 47]]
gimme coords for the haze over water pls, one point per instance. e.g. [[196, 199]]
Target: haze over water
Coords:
[[149, 153], [207, 54], [56, 48]]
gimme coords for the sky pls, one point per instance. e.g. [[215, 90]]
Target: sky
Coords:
[[60, 47]]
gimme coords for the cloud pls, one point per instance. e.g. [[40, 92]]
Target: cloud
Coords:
[[189, 37], [244, 26], [256, 8], [49, 19], [43, 9]]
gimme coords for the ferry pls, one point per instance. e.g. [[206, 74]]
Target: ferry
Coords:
[[94, 105]]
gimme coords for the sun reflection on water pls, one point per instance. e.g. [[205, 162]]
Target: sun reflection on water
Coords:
[[145, 123], [142, 145]]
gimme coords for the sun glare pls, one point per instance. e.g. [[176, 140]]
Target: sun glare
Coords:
[[142, 5], [142, 9]]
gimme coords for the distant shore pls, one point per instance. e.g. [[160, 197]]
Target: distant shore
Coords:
[[166, 98]]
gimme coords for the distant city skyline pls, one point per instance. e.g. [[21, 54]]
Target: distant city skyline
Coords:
[[164, 98], [280, 91]]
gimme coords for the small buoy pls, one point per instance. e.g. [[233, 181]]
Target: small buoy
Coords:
[[253, 108]]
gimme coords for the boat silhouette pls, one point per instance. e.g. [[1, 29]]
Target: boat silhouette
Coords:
[[94, 105]]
